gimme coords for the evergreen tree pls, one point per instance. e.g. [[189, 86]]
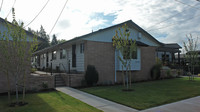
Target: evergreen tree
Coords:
[[42, 34], [61, 41], [54, 40]]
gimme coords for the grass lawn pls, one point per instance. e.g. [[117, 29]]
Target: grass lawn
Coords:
[[48, 102], [149, 94]]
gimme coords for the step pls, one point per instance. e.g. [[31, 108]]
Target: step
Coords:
[[59, 82], [59, 79], [59, 85]]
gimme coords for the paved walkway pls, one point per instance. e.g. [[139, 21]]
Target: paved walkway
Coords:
[[42, 73], [188, 105], [97, 102]]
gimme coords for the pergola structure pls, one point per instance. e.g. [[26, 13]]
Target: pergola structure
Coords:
[[172, 49]]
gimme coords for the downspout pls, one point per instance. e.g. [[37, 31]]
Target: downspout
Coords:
[[115, 65]]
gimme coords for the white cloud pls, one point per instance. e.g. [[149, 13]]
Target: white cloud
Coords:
[[78, 16]]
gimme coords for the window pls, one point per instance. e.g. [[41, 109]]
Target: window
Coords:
[[62, 54], [127, 53], [54, 55], [82, 48], [134, 54]]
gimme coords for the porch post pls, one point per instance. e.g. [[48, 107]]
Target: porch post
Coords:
[[179, 58]]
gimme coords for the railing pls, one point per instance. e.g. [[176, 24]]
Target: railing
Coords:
[[63, 67]]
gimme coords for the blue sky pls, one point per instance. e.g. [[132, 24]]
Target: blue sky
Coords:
[[80, 17], [109, 18]]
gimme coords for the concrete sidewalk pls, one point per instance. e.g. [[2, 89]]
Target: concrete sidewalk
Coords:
[[97, 102], [188, 105]]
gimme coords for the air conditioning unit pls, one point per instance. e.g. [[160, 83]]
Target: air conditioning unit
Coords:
[[139, 35]]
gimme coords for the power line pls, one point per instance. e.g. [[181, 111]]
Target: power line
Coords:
[[11, 9], [1, 5], [187, 4], [173, 24], [38, 14], [58, 17], [170, 17]]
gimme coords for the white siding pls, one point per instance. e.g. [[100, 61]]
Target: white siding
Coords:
[[64, 62], [107, 35]]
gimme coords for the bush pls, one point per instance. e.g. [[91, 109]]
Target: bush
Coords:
[[44, 85], [91, 75], [155, 71], [33, 70], [169, 74]]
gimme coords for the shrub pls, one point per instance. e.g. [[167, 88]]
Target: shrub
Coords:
[[155, 71], [44, 85], [169, 74], [189, 73], [91, 75], [33, 70], [158, 61]]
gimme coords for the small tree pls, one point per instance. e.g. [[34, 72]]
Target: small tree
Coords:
[[54, 40], [18, 53], [191, 55], [5, 58], [127, 47], [91, 75]]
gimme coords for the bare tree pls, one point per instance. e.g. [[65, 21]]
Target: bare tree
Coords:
[[191, 48], [18, 48]]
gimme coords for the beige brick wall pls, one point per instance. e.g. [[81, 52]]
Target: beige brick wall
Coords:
[[102, 56], [76, 80], [33, 83], [147, 62]]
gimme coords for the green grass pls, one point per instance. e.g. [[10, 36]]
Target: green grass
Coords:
[[149, 94], [48, 102]]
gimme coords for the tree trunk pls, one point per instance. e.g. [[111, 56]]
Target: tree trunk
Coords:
[[130, 77], [123, 76], [127, 78], [16, 87], [24, 87], [8, 81]]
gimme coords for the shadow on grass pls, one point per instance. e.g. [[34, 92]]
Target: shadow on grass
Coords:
[[60, 96], [35, 104]]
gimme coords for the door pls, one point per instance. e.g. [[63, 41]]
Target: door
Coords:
[[74, 55]]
